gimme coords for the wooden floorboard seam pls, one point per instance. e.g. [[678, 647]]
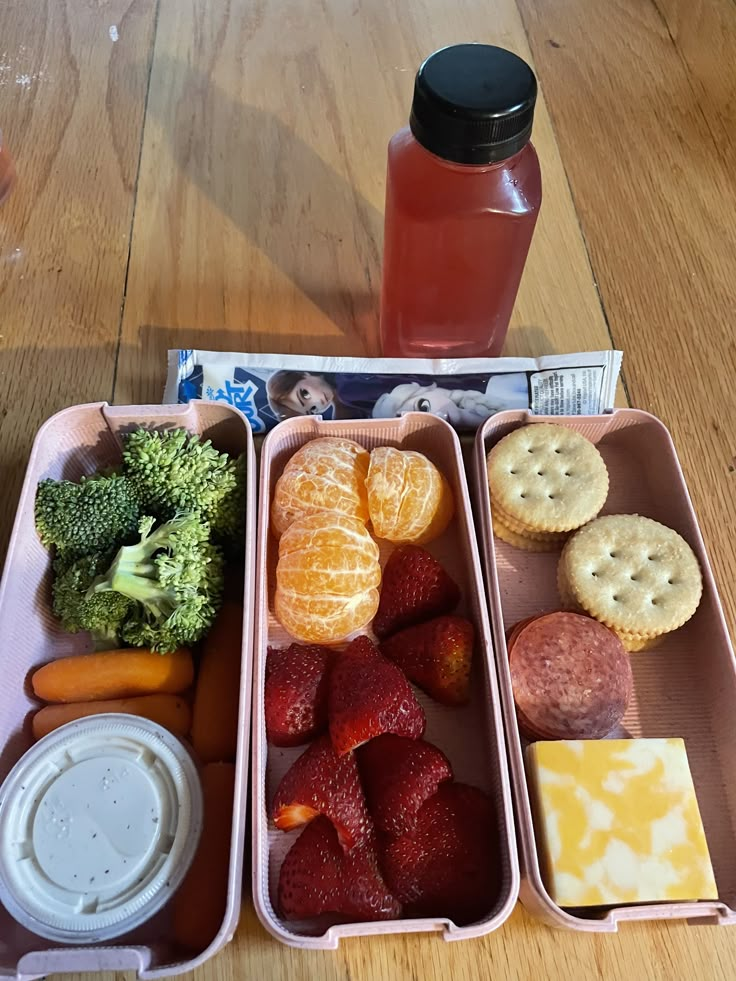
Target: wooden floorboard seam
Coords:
[[119, 338]]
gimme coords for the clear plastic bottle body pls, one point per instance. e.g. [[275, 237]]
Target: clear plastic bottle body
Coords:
[[456, 240], [7, 171]]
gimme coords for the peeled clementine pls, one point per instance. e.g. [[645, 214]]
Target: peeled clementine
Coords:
[[408, 498], [326, 474], [327, 578]]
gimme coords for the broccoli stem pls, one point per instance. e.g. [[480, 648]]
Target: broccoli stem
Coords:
[[135, 573], [173, 578], [160, 601], [146, 570], [107, 640]]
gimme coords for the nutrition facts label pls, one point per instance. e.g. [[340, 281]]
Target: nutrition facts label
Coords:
[[567, 391]]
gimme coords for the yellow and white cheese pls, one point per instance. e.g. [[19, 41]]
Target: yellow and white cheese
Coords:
[[617, 822]]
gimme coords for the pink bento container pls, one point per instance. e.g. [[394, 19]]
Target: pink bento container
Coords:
[[471, 736], [74, 442], [685, 687]]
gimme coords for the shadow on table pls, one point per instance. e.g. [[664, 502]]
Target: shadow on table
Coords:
[[142, 365], [528, 341], [322, 234]]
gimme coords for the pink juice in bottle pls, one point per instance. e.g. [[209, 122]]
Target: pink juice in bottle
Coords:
[[463, 193], [7, 171]]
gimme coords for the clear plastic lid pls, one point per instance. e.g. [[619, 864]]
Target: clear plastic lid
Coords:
[[99, 823]]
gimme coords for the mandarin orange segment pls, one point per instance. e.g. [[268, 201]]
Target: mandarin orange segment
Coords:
[[339, 571], [325, 530], [409, 500], [326, 474], [327, 578]]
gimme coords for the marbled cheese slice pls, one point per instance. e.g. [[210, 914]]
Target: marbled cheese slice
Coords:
[[617, 822]]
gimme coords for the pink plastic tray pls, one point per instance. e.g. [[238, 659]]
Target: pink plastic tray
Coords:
[[74, 442], [685, 687], [472, 737]]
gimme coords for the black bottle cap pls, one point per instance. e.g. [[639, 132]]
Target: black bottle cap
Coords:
[[473, 103]]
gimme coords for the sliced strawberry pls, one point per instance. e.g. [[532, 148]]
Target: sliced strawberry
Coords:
[[436, 656], [448, 866], [321, 782], [318, 877], [398, 775], [296, 693], [414, 587], [369, 696]]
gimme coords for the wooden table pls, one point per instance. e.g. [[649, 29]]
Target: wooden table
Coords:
[[211, 174]]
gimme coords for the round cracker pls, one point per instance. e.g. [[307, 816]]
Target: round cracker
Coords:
[[632, 642], [632, 573], [559, 537], [563, 587], [635, 643], [500, 530], [548, 477]]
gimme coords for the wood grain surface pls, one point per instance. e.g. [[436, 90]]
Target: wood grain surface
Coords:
[[259, 214], [212, 175], [72, 106]]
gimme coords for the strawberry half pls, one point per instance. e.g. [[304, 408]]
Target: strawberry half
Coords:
[[369, 696], [318, 877], [448, 866], [398, 775], [414, 587], [436, 656], [321, 782], [296, 693]]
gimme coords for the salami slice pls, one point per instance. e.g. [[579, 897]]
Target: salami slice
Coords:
[[528, 731], [526, 728], [571, 677], [515, 629]]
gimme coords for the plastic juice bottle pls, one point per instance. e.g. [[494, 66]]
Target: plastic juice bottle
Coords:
[[463, 193], [7, 171]]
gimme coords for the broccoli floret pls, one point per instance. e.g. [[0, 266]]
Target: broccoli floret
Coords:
[[228, 522], [72, 579], [94, 516], [176, 472], [102, 614], [174, 577]]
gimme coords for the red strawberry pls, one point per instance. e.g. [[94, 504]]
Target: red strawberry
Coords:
[[398, 775], [436, 656], [296, 693], [415, 587], [448, 866], [368, 696], [318, 877], [321, 782]]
